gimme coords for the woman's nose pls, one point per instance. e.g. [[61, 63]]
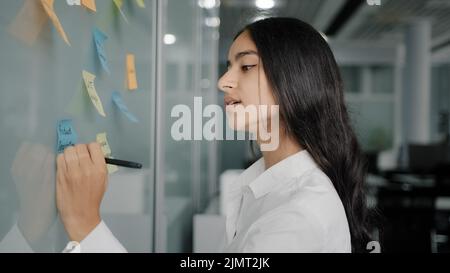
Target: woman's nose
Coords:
[[226, 83]]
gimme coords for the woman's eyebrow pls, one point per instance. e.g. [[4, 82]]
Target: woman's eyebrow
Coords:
[[242, 54]]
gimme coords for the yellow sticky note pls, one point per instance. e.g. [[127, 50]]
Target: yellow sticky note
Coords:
[[119, 4], [90, 87], [140, 3], [29, 22], [131, 73], [90, 4], [103, 141], [48, 7]]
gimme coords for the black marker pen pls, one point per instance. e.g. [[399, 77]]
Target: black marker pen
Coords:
[[123, 163]]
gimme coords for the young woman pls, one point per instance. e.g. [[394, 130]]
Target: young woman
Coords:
[[306, 195]]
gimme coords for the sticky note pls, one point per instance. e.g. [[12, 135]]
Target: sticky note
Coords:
[[118, 101], [140, 3], [90, 87], [73, 2], [89, 4], [102, 140], [119, 4], [131, 72], [99, 40], [48, 7], [65, 135], [29, 22]]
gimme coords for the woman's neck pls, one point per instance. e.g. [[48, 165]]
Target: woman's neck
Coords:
[[287, 147]]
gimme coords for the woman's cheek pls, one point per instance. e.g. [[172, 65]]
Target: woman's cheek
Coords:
[[236, 121], [243, 117]]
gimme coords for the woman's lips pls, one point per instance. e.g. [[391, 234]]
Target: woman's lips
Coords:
[[231, 101], [234, 103]]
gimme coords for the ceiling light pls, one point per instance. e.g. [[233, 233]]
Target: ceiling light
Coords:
[[212, 21], [169, 39], [208, 4], [265, 4]]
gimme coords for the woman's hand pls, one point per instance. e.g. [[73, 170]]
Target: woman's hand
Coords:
[[81, 181]]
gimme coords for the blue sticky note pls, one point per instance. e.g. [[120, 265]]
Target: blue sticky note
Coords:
[[118, 101], [66, 135], [99, 39]]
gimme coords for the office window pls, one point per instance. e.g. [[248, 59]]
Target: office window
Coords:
[[440, 101], [371, 108], [351, 75], [373, 123], [382, 79]]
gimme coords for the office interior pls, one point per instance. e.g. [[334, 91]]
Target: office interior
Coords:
[[394, 57]]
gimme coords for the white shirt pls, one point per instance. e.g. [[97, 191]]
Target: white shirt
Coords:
[[100, 240], [290, 207]]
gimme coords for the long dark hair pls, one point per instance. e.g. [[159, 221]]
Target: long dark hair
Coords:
[[307, 85]]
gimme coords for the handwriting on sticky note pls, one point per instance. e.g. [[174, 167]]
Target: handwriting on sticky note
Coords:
[[140, 3], [48, 7], [118, 101], [29, 22], [73, 2], [90, 87], [103, 141], [99, 40], [89, 4], [119, 4], [65, 135], [131, 73]]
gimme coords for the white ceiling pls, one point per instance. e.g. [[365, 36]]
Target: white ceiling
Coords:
[[382, 23]]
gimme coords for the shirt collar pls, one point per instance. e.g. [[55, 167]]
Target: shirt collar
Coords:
[[265, 181]]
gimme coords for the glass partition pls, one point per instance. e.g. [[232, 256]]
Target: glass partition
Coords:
[[42, 83]]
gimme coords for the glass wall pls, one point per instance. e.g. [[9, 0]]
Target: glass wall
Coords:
[[440, 102], [42, 83], [189, 66], [370, 100]]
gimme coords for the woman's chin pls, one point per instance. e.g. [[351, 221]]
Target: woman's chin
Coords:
[[234, 123], [239, 124], [237, 127]]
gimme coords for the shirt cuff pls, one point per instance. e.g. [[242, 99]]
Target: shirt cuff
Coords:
[[100, 240], [72, 247]]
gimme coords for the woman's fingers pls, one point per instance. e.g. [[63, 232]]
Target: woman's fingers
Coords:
[[96, 154], [72, 162], [61, 163], [84, 158], [80, 192]]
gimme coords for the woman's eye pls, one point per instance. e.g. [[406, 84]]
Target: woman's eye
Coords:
[[247, 67]]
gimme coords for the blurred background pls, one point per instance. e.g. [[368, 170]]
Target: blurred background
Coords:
[[394, 57]]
